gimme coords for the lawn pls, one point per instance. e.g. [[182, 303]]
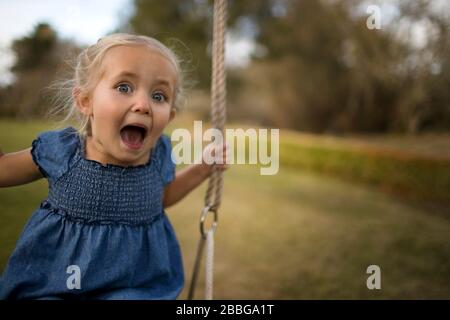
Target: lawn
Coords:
[[299, 234]]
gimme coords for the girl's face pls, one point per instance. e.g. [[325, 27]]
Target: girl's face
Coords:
[[130, 105]]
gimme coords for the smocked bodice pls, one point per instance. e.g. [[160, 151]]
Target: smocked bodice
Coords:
[[87, 190]]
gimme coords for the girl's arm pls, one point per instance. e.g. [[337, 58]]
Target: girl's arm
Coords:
[[190, 177], [18, 168]]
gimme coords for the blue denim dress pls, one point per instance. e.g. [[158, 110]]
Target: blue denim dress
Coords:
[[102, 233]]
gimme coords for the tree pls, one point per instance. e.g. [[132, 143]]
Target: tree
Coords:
[[185, 26], [34, 50], [40, 59], [330, 73]]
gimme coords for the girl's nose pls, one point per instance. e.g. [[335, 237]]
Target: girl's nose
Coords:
[[141, 105]]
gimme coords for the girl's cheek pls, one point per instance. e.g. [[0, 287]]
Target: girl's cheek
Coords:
[[166, 118], [160, 120]]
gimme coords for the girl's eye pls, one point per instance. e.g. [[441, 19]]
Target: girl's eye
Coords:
[[124, 88], [158, 96]]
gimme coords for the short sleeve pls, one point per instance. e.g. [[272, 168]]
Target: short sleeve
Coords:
[[53, 150], [163, 153]]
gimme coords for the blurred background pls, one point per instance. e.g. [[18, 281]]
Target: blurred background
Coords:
[[360, 92]]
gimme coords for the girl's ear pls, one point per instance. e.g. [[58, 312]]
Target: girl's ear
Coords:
[[82, 101], [173, 112]]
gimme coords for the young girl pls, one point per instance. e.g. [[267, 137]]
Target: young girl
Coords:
[[102, 233]]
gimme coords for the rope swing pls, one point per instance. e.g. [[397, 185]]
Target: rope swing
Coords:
[[213, 195]]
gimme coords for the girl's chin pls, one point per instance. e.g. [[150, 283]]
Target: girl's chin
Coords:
[[132, 161]]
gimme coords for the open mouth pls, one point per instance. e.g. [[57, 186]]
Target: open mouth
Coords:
[[133, 136]]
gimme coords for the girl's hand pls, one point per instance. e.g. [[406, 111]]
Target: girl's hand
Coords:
[[215, 156], [188, 178]]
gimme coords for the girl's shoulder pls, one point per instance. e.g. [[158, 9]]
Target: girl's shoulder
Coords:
[[53, 150]]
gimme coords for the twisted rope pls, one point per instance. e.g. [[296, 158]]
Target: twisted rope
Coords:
[[213, 196], [218, 95]]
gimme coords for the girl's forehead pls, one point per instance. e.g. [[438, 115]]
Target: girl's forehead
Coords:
[[138, 60]]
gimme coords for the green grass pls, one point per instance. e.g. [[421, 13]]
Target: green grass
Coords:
[[297, 235], [294, 235]]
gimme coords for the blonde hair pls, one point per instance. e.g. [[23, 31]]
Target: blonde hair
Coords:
[[85, 75]]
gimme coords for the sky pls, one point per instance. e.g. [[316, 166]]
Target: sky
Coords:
[[84, 21]]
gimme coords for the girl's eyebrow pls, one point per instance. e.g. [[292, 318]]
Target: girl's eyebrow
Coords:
[[164, 83], [126, 74]]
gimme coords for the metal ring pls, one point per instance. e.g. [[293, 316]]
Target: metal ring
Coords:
[[203, 215]]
